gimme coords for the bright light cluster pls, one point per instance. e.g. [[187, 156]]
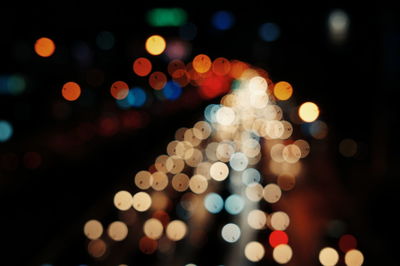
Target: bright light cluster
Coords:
[[177, 195]]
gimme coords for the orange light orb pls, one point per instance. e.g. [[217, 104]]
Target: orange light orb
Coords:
[[71, 91], [202, 63], [44, 47], [283, 90]]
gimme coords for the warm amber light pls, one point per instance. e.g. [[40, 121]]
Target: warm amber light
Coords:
[[176, 230], [272, 193], [180, 182], [308, 112], [97, 248], [256, 219], [198, 184], [279, 221], [354, 257], [202, 63], [283, 90], [123, 200], [328, 256], [254, 251], [153, 228], [282, 254], [71, 91], [117, 231], [141, 201], [142, 66], [45, 47], [155, 45], [93, 229]]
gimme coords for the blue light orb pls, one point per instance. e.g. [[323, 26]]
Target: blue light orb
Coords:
[[210, 112], [172, 90], [251, 175], [136, 98], [238, 161], [223, 20], [269, 32], [6, 131], [234, 204], [213, 203]]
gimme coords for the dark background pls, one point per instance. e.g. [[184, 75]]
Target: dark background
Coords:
[[355, 84]]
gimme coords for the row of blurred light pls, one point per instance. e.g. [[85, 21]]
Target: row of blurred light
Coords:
[[338, 23]]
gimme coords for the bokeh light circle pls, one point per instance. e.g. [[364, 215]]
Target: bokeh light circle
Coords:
[[176, 230], [155, 45], [213, 203], [234, 204], [230, 232], [93, 229], [328, 256], [219, 171], [71, 91], [282, 253], [44, 47], [141, 201], [117, 231], [123, 200], [308, 112], [254, 251], [278, 237], [153, 228], [6, 130], [354, 257]]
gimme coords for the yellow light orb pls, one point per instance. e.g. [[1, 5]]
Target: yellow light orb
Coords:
[[308, 112], [155, 45]]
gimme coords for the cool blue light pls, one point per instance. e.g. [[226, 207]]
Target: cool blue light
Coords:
[[234, 204], [223, 20], [182, 213], [172, 90], [210, 112], [213, 203], [13, 85], [305, 128], [238, 161], [6, 131], [269, 32], [251, 175], [137, 97]]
